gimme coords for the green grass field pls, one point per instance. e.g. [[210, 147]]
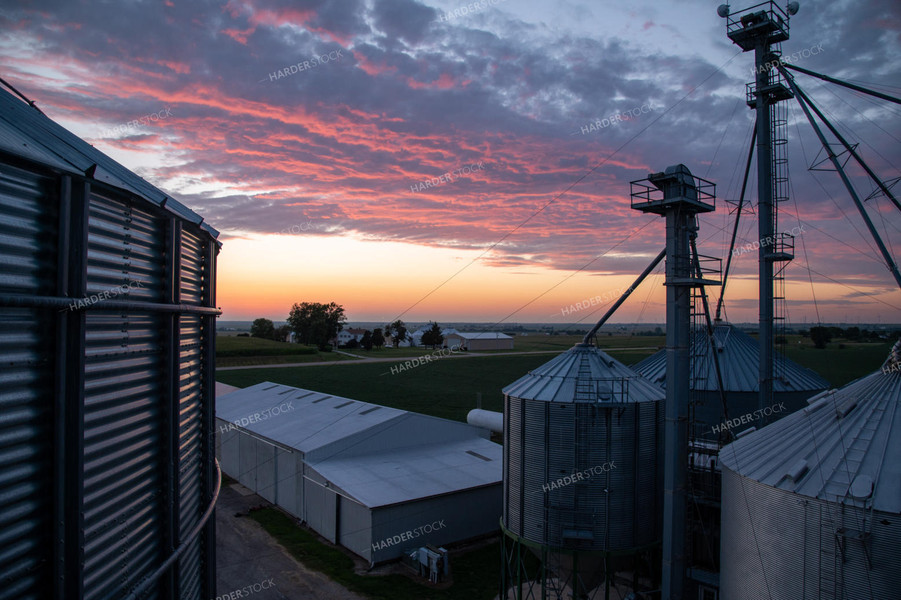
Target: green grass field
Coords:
[[234, 351], [449, 388], [446, 388], [838, 365], [231, 345]]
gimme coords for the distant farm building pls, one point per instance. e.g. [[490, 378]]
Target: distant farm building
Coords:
[[416, 336], [346, 335], [376, 480], [488, 340]]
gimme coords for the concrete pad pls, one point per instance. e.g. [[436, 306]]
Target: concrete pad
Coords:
[[250, 560]]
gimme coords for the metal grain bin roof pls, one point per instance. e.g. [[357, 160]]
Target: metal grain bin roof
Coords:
[[377, 455], [27, 132], [738, 355], [584, 374], [843, 444]]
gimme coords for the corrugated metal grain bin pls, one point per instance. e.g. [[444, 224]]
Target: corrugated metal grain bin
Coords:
[[107, 308], [582, 455], [812, 503], [738, 355]]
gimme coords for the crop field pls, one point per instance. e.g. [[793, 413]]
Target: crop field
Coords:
[[450, 387]]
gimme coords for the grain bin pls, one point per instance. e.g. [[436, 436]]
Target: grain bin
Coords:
[[107, 333], [582, 476], [738, 354], [812, 503]]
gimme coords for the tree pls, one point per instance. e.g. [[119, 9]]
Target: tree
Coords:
[[281, 334], [366, 340], [378, 338], [397, 331], [820, 336], [432, 336], [352, 343], [262, 328], [316, 324]]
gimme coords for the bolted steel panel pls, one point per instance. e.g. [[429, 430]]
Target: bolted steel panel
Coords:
[[125, 250], [122, 451], [29, 205], [26, 428], [193, 269]]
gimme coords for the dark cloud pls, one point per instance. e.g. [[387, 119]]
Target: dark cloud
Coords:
[[412, 97]]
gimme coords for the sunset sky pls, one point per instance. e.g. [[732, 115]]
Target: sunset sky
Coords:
[[314, 174]]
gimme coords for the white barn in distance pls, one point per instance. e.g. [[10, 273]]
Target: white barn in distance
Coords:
[[485, 340], [376, 480]]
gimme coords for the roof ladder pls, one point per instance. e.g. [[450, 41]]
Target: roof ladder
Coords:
[[830, 567], [585, 388]]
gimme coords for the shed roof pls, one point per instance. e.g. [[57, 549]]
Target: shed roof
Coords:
[[481, 335], [377, 455], [26, 132], [584, 374], [400, 475], [738, 355], [310, 421], [846, 441]]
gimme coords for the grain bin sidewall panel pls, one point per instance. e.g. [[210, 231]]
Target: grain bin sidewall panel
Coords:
[[131, 523], [885, 556], [790, 535], [28, 344], [748, 523], [563, 439], [538, 417], [513, 456]]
